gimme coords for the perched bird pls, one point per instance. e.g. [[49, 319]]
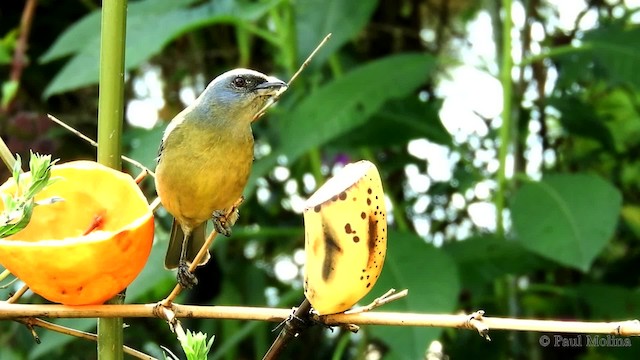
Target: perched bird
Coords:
[[205, 159]]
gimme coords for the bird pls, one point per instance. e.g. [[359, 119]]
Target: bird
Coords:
[[205, 159]]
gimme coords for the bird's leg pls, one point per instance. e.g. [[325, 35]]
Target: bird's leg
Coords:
[[224, 220], [185, 278]]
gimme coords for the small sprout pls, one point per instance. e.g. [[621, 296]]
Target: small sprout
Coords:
[[195, 345], [19, 206]]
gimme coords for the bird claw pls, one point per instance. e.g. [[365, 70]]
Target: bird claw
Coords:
[[224, 220], [186, 279]]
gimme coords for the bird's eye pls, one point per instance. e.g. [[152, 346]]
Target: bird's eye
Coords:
[[239, 82]]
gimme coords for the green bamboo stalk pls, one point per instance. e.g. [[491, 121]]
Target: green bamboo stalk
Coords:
[[505, 130], [110, 117]]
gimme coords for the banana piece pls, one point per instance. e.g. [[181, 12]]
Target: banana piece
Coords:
[[345, 238]]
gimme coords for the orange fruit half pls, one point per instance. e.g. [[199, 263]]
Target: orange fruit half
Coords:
[[90, 246]]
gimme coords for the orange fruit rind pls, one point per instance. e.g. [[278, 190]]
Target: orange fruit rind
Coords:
[[87, 248]]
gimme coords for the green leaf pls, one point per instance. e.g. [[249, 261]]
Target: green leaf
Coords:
[[580, 118], [617, 50], [87, 30], [482, 260], [9, 91], [17, 169], [195, 345], [40, 167], [19, 207], [316, 18], [397, 122], [432, 279], [609, 52], [566, 218], [350, 101], [7, 45], [609, 301], [144, 37]]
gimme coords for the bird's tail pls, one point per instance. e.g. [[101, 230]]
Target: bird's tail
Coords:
[[193, 243]]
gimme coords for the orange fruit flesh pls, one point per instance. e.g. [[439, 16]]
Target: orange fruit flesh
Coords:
[[89, 247]]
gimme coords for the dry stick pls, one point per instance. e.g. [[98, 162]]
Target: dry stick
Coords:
[[295, 75], [95, 144], [300, 321], [31, 322], [18, 294], [3, 276], [386, 298], [6, 155], [291, 328], [622, 328], [154, 204]]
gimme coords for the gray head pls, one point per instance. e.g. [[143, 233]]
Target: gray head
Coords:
[[239, 94]]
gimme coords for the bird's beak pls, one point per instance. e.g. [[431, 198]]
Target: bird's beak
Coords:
[[272, 87]]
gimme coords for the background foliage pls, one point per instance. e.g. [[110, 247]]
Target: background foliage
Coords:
[[570, 247]]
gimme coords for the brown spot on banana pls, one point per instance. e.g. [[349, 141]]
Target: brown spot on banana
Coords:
[[332, 251], [371, 241]]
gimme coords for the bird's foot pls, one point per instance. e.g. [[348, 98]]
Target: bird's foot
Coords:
[[186, 279], [224, 220]]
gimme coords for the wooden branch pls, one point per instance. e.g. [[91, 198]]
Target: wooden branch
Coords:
[[465, 321]]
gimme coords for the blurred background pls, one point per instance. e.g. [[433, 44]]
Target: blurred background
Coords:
[[411, 85]]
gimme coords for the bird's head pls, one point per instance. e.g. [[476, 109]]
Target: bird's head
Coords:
[[241, 93]]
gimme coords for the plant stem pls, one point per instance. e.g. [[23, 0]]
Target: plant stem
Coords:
[[6, 155], [505, 129], [111, 101], [110, 117]]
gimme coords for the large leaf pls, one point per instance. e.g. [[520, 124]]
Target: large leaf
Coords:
[[398, 122], [580, 118], [432, 279], [610, 52], [151, 24], [482, 260], [566, 218], [350, 101], [317, 18], [617, 49]]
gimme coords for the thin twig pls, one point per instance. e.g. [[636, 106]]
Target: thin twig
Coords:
[[6, 155], [386, 298], [95, 144], [308, 60], [154, 204], [18, 294], [141, 176], [4, 286], [3, 276], [275, 98], [31, 322]]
